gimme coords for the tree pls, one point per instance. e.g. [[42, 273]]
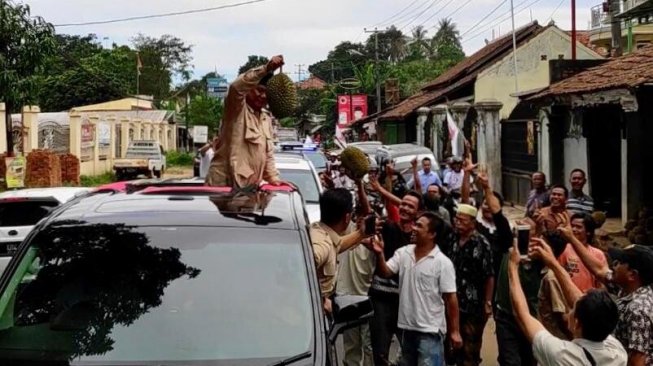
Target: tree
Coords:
[[74, 79], [418, 46], [392, 45], [340, 62], [205, 110], [252, 62], [163, 59], [445, 44], [25, 43]]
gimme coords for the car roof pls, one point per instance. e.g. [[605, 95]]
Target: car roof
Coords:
[[61, 194], [291, 162], [188, 206]]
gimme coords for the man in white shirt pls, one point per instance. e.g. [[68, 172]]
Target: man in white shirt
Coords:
[[593, 318], [206, 155], [427, 291], [453, 179]]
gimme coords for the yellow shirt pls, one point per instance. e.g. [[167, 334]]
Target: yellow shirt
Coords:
[[245, 155], [326, 245]]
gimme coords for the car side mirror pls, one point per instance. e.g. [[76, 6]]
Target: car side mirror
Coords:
[[349, 311]]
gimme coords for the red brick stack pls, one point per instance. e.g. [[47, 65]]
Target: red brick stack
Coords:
[[70, 168], [43, 170]]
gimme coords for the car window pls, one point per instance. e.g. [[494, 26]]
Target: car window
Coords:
[[113, 294], [318, 160], [305, 181], [24, 213]]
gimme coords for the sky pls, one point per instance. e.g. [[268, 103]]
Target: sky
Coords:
[[304, 31]]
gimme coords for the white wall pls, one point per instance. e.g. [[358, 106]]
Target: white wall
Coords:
[[576, 157], [498, 81]]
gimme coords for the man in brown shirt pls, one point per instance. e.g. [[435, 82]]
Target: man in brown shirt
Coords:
[[552, 217], [245, 155], [336, 209]]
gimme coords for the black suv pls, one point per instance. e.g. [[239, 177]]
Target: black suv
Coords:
[[169, 274]]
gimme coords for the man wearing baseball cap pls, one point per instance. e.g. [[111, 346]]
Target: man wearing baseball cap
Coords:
[[633, 273]]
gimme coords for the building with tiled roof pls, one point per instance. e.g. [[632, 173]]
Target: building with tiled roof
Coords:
[[487, 75], [313, 82], [601, 120]]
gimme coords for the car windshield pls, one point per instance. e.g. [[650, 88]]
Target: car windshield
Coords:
[[24, 213], [318, 160], [305, 181], [106, 294]]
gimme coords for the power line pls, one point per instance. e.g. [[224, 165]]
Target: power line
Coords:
[[556, 9], [479, 33], [395, 15], [410, 14], [434, 14], [484, 18], [162, 15], [420, 14]]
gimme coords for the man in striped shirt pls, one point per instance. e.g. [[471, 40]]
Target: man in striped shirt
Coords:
[[578, 201]]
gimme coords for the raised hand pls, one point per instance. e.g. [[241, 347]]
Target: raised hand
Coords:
[[275, 63]]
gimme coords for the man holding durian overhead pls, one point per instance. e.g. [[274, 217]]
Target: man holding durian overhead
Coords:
[[245, 155]]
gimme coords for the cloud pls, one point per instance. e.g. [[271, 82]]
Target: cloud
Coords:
[[304, 31]]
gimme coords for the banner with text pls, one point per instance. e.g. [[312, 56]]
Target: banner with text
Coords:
[[349, 105]]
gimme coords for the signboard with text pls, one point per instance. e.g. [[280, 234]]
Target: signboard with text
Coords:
[[88, 135], [351, 108], [200, 134], [15, 177]]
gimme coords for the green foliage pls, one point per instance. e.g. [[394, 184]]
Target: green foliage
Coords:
[[288, 122], [446, 42], [206, 110], [163, 59], [93, 75], [97, 180], [414, 75], [25, 44], [340, 62], [252, 62], [179, 158]]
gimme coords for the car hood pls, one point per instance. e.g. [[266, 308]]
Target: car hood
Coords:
[[313, 211]]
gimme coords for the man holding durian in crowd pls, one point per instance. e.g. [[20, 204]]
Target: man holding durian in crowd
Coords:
[[245, 155]]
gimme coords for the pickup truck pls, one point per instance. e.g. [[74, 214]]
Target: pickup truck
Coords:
[[143, 157]]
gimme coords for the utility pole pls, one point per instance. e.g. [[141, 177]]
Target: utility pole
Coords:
[[376, 67], [514, 45], [615, 25], [299, 71], [573, 30]]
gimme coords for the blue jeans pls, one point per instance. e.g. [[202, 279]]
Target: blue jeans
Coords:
[[421, 349]]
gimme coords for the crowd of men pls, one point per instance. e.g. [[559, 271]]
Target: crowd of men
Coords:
[[444, 260]]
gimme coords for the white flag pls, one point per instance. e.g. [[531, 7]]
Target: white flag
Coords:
[[454, 132]]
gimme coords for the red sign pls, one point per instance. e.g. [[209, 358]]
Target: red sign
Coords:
[[355, 105]]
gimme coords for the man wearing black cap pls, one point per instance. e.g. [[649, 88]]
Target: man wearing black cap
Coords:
[[633, 273], [245, 155]]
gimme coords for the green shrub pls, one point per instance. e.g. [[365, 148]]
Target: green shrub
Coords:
[[98, 180], [178, 158]]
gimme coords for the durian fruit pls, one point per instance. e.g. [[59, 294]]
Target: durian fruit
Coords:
[[282, 96], [355, 161]]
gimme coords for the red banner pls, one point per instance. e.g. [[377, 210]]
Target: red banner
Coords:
[[349, 105]]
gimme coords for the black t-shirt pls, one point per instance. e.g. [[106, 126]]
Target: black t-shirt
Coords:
[[393, 238]]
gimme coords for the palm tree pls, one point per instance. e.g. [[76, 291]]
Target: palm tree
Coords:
[[397, 43], [419, 46], [447, 36]]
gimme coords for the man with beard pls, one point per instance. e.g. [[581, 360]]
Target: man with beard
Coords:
[[433, 202], [384, 292]]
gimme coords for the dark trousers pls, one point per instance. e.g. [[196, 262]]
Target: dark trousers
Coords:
[[383, 326], [471, 330], [514, 347]]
